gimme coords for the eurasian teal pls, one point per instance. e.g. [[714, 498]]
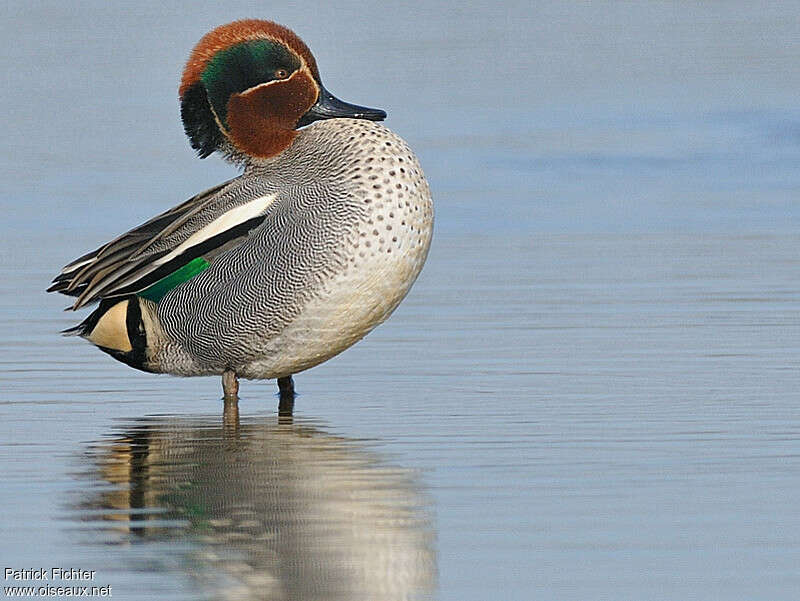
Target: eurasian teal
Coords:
[[283, 267]]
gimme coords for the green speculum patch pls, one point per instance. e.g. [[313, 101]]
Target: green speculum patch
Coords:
[[157, 291], [243, 66]]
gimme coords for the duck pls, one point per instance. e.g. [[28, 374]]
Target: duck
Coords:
[[314, 243]]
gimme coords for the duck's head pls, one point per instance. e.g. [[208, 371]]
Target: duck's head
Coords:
[[249, 85]]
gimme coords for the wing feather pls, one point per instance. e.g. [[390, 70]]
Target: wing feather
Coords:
[[203, 225]]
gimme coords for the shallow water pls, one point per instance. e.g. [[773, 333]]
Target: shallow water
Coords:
[[591, 392], [260, 508]]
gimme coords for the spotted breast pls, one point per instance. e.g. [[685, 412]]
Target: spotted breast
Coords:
[[344, 238]]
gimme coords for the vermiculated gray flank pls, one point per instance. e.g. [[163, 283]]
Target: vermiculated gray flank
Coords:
[[350, 202]]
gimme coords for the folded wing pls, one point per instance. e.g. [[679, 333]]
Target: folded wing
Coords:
[[167, 250]]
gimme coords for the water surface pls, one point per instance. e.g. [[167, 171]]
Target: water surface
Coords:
[[261, 508], [590, 393]]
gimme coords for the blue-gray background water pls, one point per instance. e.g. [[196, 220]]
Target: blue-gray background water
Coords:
[[591, 392]]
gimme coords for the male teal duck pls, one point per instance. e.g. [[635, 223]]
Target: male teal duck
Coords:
[[279, 269]]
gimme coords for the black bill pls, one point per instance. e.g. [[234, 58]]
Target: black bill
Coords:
[[329, 106]]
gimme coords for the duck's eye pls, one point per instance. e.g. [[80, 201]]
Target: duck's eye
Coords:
[[281, 74]]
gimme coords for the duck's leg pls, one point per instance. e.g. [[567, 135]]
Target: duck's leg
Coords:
[[230, 416], [286, 398], [230, 385]]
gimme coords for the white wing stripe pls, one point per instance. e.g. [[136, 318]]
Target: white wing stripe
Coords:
[[222, 223]]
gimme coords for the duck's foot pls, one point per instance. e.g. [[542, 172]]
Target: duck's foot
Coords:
[[230, 385], [286, 396]]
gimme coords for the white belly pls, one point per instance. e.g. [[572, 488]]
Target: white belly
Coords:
[[385, 262]]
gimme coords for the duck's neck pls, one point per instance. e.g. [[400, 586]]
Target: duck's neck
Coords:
[[245, 161]]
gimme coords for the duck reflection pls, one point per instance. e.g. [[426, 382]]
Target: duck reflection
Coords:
[[272, 509]]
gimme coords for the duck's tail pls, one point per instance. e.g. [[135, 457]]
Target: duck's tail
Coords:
[[119, 327]]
